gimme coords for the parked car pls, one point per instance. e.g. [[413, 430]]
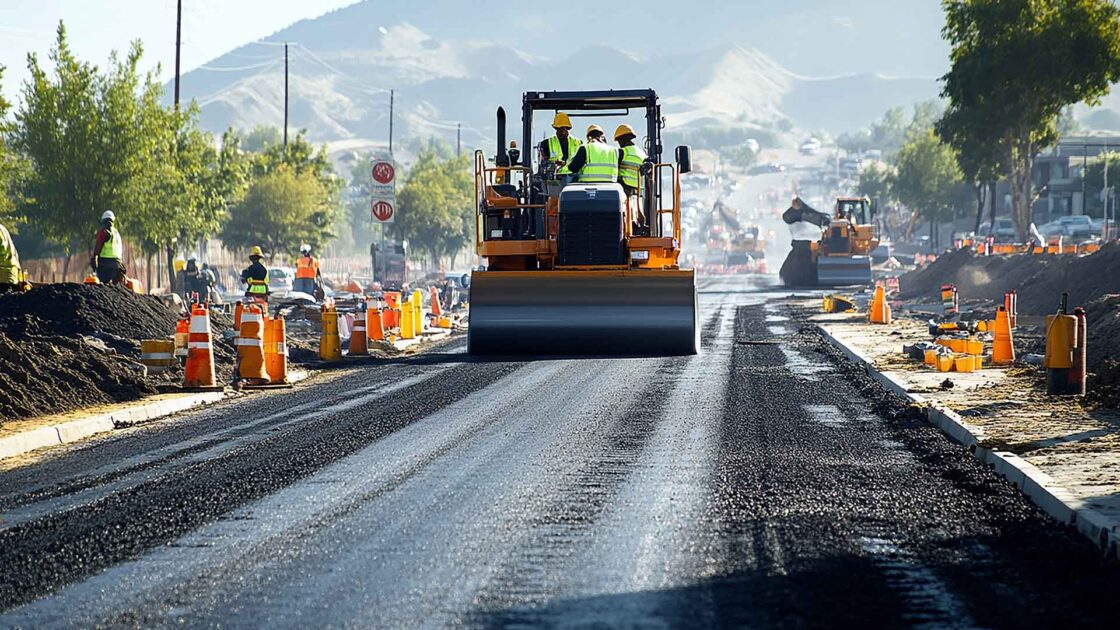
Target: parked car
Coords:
[[280, 281], [1076, 226], [1004, 229], [812, 146]]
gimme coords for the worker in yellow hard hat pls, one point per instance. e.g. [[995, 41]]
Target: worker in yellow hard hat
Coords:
[[630, 163], [255, 276], [559, 148], [596, 162]]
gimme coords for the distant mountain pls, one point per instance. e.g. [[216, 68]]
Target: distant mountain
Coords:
[[341, 92]]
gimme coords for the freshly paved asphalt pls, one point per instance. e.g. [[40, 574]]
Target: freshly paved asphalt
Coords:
[[759, 483]]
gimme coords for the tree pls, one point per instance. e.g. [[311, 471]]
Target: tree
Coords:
[[928, 178], [435, 206], [280, 211], [261, 138], [9, 162], [1094, 177], [1015, 64], [875, 182]]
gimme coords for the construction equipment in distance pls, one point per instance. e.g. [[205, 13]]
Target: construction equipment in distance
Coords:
[[841, 256], [580, 269]]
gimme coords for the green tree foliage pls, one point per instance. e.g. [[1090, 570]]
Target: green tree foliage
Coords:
[[1015, 64], [928, 179], [9, 164], [891, 132], [875, 182], [261, 138], [281, 210], [1094, 177], [435, 212]]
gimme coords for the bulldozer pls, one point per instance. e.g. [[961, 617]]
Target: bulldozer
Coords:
[[580, 269], [840, 253]]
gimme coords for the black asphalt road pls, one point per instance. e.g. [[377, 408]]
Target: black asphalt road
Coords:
[[759, 483]]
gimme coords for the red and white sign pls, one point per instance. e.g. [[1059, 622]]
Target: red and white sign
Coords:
[[382, 210], [383, 173]]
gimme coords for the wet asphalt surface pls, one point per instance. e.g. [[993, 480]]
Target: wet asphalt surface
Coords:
[[760, 483]]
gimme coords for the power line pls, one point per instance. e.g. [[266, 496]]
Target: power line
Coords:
[[237, 68]]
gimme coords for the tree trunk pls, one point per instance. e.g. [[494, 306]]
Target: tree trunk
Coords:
[[980, 189], [1020, 161], [992, 207], [171, 270], [148, 263]]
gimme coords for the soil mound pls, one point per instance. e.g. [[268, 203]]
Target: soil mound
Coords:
[[71, 310]]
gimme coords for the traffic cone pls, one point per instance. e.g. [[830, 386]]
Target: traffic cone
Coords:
[[237, 310], [250, 346], [358, 344], [437, 310], [182, 331], [199, 372], [330, 344], [391, 318], [276, 349], [374, 329], [880, 311], [1003, 349]]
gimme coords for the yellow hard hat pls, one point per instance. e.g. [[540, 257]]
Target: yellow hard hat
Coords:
[[592, 128], [256, 251], [561, 120], [623, 130]]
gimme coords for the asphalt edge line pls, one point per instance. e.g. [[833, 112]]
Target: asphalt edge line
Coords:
[[81, 428], [1052, 498]]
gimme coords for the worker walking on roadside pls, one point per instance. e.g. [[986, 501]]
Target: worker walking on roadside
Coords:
[[561, 147], [210, 283], [9, 263], [631, 167], [308, 277], [107, 251], [194, 289], [256, 276], [596, 162]]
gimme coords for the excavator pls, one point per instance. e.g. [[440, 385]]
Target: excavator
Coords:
[[837, 251], [580, 269]]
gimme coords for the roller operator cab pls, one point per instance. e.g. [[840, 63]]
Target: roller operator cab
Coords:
[[581, 268]]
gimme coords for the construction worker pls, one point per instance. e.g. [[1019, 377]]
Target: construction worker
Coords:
[[209, 283], [107, 251], [631, 167], [256, 276], [308, 277], [194, 288], [596, 162], [9, 263], [560, 147]]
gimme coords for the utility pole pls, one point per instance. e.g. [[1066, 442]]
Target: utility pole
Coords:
[[458, 140], [285, 98], [391, 95], [178, 45]]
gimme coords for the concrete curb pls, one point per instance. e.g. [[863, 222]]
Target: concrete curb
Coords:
[[1042, 490], [82, 428]]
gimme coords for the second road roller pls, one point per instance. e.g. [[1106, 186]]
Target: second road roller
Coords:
[[581, 268]]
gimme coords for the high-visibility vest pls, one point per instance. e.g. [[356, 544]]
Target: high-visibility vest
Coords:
[[632, 158], [111, 248], [9, 259], [307, 267], [555, 151], [601, 166], [259, 287]]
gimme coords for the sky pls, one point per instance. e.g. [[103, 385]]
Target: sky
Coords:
[[96, 27]]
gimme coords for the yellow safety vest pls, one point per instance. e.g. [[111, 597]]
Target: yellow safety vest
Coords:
[[258, 286], [601, 166], [555, 151], [111, 248], [632, 159], [9, 259]]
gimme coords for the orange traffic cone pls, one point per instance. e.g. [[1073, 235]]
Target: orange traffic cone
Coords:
[[276, 349], [1003, 349], [250, 346], [880, 311], [437, 310], [358, 344], [374, 328], [391, 318], [238, 309], [200, 354], [182, 332]]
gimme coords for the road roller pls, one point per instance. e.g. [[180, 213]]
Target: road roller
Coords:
[[577, 268], [839, 254]]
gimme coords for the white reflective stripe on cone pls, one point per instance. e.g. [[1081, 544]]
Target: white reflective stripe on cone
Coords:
[[249, 342], [199, 344], [282, 348], [155, 355], [250, 317], [200, 324]]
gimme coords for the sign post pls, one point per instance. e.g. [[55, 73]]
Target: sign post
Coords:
[[382, 204]]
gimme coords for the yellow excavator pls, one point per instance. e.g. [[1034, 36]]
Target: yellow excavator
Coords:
[[837, 251], [580, 269]]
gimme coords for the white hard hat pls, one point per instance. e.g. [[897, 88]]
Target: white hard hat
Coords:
[[304, 248], [109, 215]]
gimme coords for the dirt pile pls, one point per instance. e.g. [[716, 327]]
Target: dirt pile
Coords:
[[70, 310], [1039, 280]]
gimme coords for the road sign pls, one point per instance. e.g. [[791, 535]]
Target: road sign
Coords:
[[384, 173], [382, 210]]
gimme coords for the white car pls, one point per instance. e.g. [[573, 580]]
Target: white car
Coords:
[[1072, 226], [280, 281]]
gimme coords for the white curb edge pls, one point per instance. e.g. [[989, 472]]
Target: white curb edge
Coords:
[[1039, 487]]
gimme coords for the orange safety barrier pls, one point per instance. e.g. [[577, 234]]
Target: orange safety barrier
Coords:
[[182, 331], [200, 354], [276, 349], [374, 329], [250, 346], [880, 311], [391, 318], [1003, 349], [359, 346], [437, 310]]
